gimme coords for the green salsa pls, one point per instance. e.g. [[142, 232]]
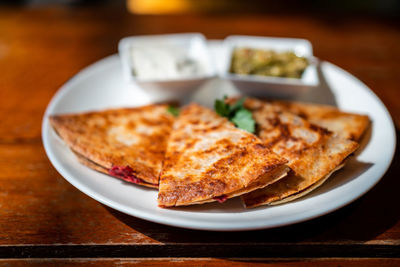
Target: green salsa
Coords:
[[248, 61]]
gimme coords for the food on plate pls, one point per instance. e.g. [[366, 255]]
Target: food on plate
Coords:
[[128, 143], [236, 113], [251, 61], [195, 155], [313, 152], [209, 159], [174, 111], [347, 125], [288, 189]]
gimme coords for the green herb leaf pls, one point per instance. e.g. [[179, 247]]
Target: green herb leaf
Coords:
[[221, 108], [238, 105], [236, 113], [243, 119], [174, 111]]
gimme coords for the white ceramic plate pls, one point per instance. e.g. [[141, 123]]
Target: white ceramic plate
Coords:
[[101, 85]]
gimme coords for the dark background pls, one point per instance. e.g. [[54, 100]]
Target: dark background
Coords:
[[389, 9]]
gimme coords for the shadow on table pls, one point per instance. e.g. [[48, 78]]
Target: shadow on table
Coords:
[[363, 220]]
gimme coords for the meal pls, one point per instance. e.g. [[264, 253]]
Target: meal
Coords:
[[313, 152], [126, 143], [265, 152], [250, 61], [209, 159]]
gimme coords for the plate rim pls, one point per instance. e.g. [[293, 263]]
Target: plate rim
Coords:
[[181, 222]]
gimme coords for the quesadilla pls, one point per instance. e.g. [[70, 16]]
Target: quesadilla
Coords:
[[313, 152], [127, 143], [209, 159], [346, 125], [286, 190]]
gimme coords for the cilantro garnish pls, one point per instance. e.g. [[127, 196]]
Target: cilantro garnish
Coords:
[[174, 111], [236, 113], [222, 108], [243, 119]]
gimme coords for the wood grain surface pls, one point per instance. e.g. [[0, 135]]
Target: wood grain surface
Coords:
[[365, 262], [43, 216]]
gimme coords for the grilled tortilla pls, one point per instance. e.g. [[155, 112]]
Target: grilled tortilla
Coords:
[[127, 143], [209, 159], [346, 125], [312, 152], [290, 189]]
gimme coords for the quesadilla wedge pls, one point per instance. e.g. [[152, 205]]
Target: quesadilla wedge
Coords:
[[313, 152], [347, 125], [289, 190], [209, 159], [127, 143]]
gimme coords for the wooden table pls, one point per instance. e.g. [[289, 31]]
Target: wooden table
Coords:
[[46, 221]]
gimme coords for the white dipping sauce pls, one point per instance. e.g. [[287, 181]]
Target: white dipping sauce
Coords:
[[163, 63]]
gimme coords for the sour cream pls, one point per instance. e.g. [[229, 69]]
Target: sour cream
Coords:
[[163, 63]]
